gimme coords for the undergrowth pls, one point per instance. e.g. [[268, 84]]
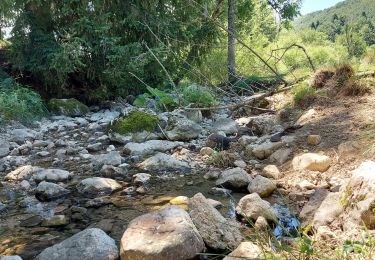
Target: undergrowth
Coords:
[[135, 121], [20, 103]]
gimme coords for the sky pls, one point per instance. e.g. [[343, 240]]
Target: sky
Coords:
[[310, 6]]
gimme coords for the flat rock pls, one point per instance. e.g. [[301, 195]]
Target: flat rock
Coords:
[[264, 150], [261, 185], [55, 221], [312, 162], [252, 206], [150, 147], [271, 171], [51, 175], [164, 162], [22, 173], [235, 178], [182, 129], [246, 250], [48, 191], [21, 135], [112, 158], [88, 244], [165, 235], [98, 186], [226, 125], [217, 232], [281, 156]]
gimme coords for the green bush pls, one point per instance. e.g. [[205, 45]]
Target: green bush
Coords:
[[198, 95], [67, 107], [19, 102], [303, 94], [136, 121]]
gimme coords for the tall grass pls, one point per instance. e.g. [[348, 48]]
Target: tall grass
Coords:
[[19, 102]]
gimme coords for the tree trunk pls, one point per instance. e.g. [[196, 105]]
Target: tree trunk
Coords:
[[231, 41]]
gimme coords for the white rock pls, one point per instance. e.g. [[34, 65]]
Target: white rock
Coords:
[[98, 186], [150, 147], [164, 162], [312, 162]]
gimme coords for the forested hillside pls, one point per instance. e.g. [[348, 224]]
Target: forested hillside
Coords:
[[359, 14]]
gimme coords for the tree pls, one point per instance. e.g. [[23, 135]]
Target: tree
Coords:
[[231, 41]]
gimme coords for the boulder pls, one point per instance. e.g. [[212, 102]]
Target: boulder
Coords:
[[150, 147], [271, 171], [226, 125], [261, 185], [4, 147], [322, 208], [141, 178], [252, 206], [217, 232], [182, 129], [67, 107], [165, 235], [48, 191], [281, 156], [358, 197], [89, 244], [264, 125], [21, 135], [22, 173], [246, 250], [112, 158], [164, 162], [51, 175], [96, 186], [235, 178], [264, 150], [312, 162]]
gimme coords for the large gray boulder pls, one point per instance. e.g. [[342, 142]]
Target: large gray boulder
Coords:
[[150, 147], [236, 178], [226, 125], [252, 206], [164, 162], [182, 129], [112, 158], [48, 191], [98, 186], [4, 147], [165, 235], [217, 232], [21, 135], [89, 244]]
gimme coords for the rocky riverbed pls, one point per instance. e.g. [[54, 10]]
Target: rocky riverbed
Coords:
[[73, 189]]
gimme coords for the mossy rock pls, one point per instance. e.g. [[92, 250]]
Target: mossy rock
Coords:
[[67, 107], [136, 121]]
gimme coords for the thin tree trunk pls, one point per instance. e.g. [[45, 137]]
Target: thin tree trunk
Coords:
[[231, 41]]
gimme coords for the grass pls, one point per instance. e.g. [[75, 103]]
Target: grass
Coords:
[[222, 159], [20, 103], [303, 94]]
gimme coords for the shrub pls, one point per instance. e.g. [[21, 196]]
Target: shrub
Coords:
[[19, 102], [198, 95], [321, 78], [135, 121], [304, 95]]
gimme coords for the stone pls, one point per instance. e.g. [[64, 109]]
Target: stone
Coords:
[[240, 164], [112, 158], [235, 178], [252, 207], [55, 221], [42, 154], [182, 129], [164, 162], [246, 140], [322, 208], [111, 171], [261, 185], [314, 139], [98, 186], [21, 135], [306, 117], [312, 162], [206, 151], [271, 171], [48, 191], [51, 175], [349, 148], [11, 257], [212, 175], [180, 200], [2, 207], [4, 148], [264, 125], [305, 185], [31, 221], [217, 232], [246, 250], [264, 150], [164, 235], [22, 173], [95, 147], [261, 224], [67, 107], [141, 178], [280, 156], [358, 198], [151, 147], [89, 244], [227, 125], [220, 192]]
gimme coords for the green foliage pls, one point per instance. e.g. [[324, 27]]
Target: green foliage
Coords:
[[303, 94], [198, 96], [19, 102], [135, 121], [68, 107], [163, 100]]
